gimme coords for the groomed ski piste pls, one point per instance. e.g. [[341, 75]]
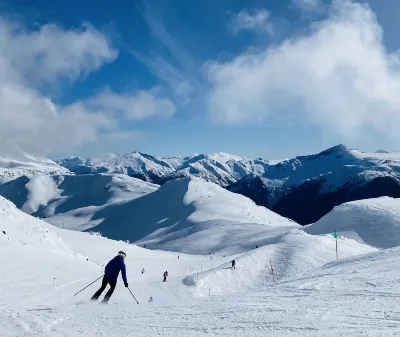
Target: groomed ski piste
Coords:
[[312, 293]]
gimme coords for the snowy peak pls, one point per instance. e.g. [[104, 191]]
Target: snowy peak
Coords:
[[23, 164], [337, 150], [221, 168]]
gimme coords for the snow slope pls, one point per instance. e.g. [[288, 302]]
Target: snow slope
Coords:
[[193, 216], [373, 221], [175, 217], [22, 164], [71, 201], [293, 253], [355, 296]]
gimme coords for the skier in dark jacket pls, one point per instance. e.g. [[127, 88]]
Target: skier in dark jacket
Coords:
[[233, 264], [111, 275]]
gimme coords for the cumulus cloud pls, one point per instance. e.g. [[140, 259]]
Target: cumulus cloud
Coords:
[[339, 76], [33, 60], [257, 20]]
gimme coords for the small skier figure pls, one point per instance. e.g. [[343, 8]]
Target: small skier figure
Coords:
[[143, 271], [165, 276], [112, 270], [233, 264]]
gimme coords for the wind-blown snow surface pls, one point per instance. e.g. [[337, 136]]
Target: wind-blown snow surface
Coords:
[[71, 201], [355, 296], [373, 221], [193, 216], [27, 165]]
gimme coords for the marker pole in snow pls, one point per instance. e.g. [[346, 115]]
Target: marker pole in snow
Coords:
[[133, 296], [336, 236], [89, 285], [272, 271]]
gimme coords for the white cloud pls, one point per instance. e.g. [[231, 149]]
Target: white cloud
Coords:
[[258, 20], [308, 5], [174, 65], [29, 119], [339, 76], [125, 135], [135, 105], [51, 53]]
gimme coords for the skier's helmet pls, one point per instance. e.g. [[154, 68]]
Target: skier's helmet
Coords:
[[122, 254]]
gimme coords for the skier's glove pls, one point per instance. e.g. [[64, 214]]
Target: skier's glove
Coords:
[[126, 285]]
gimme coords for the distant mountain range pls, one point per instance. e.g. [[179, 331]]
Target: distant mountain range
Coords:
[[303, 188]]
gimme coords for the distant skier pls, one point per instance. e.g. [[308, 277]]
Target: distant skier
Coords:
[[112, 270], [233, 264], [165, 276], [143, 271]]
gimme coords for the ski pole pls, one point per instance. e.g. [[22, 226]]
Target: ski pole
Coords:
[[133, 296], [89, 285]]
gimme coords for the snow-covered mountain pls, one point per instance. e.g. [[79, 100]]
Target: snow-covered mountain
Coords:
[[70, 201], [306, 188], [23, 164], [220, 168], [135, 164], [193, 216], [186, 210], [303, 188]]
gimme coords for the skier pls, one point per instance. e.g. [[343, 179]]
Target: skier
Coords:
[[111, 275], [233, 264], [143, 271], [165, 276]]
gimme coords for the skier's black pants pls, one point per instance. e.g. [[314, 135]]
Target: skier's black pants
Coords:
[[165, 278], [104, 283]]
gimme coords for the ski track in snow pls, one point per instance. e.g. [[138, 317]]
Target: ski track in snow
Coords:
[[280, 311]]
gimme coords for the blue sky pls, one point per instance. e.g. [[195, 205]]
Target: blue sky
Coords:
[[260, 78]]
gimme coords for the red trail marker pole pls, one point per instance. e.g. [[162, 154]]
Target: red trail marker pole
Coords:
[[272, 271]]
